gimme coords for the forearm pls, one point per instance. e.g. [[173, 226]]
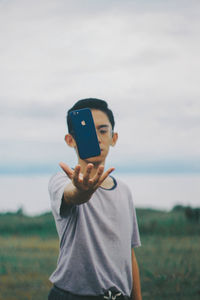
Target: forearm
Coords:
[[73, 195], [136, 292]]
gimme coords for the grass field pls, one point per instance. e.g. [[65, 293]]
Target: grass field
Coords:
[[169, 261], [25, 265], [169, 267]]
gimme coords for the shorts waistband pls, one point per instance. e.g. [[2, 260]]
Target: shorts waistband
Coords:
[[110, 294]]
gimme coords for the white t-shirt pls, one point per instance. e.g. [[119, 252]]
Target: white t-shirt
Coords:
[[96, 239]]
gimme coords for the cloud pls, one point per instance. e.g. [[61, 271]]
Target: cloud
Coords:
[[141, 57]]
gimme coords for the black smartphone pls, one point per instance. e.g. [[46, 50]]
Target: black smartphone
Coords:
[[85, 133]]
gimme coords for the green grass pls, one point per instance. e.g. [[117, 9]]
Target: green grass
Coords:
[[169, 258], [19, 224], [169, 267], [173, 223], [25, 265]]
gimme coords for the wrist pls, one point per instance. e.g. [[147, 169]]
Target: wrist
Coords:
[[78, 196]]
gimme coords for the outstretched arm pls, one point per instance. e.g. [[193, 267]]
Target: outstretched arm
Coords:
[[136, 293], [81, 187]]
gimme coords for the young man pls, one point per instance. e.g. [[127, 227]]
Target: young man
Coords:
[[96, 222]]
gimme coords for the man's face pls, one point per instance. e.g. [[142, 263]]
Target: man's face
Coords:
[[105, 137], [104, 134]]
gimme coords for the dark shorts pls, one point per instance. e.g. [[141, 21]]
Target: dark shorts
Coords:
[[59, 294]]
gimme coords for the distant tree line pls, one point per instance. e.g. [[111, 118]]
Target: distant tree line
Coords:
[[192, 214]]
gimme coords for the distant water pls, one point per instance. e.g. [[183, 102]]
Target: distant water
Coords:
[[153, 191]]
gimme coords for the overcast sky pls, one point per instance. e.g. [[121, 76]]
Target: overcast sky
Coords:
[[140, 56]]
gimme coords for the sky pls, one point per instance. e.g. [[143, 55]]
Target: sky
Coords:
[[142, 57]]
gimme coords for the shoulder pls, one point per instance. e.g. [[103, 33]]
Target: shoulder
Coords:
[[58, 176], [124, 190], [122, 185], [57, 179]]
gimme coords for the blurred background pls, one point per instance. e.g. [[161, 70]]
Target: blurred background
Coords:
[[142, 57]]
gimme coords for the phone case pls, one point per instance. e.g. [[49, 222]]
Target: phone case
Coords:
[[85, 133]]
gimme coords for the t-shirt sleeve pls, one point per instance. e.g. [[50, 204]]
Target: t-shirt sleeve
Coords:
[[135, 242], [135, 239], [56, 187]]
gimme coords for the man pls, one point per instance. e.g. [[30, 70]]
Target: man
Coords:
[[96, 222]]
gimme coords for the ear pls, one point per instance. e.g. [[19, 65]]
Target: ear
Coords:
[[70, 140], [114, 139]]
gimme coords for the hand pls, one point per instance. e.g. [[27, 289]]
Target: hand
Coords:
[[84, 182]]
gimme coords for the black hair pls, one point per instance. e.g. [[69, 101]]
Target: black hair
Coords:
[[92, 103]]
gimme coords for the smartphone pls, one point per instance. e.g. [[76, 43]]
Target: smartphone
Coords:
[[85, 133]]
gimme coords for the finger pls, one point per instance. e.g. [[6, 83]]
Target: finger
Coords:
[[76, 175], [106, 174], [69, 172], [88, 171], [96, 178]]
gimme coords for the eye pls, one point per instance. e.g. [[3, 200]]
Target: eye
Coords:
[[103, 131]]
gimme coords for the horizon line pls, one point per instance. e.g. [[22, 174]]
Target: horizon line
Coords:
[[168, 166]]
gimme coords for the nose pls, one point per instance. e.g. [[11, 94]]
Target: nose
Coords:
[[98, 136]]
